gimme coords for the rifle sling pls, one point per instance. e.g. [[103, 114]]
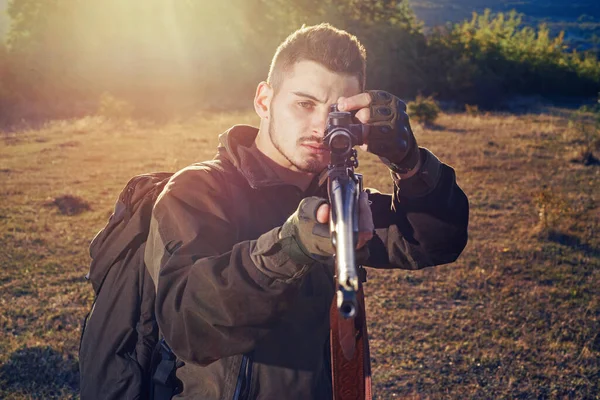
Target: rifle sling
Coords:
[[350, 357]]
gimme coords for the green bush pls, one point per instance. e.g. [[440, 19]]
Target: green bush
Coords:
[[424, 110], [491, 57]]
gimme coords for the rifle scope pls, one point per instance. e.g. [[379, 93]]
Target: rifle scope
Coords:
[[342, 135]]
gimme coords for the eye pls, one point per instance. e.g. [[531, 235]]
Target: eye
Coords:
[[306, 104]]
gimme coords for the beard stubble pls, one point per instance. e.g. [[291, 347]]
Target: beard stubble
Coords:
[[309, 165]]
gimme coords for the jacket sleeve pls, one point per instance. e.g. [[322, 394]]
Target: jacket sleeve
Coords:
[[215, 297], [423, 223]]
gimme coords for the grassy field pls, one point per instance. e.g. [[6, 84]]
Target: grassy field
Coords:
[[516, 317]]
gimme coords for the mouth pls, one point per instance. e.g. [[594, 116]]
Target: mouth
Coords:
[[316, 148]]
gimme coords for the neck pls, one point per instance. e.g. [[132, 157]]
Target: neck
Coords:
[[279, 164]]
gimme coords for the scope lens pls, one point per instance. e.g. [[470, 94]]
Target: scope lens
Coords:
[[340, 142]]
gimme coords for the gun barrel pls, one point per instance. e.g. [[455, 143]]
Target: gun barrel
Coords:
[[343, 196]]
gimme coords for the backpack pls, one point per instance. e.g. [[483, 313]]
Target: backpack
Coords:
[[120, 354]]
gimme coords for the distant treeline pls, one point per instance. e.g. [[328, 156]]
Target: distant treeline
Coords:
[[66, 58], [580, 20]]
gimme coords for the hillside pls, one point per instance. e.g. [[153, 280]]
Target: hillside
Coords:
[[517, 316]]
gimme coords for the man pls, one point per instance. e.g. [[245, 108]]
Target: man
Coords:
[[242, 297]]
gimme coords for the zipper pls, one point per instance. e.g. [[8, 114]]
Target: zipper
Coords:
[[242, 386]]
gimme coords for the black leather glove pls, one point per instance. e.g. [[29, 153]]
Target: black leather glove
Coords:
[[390, 135], [303, 238]]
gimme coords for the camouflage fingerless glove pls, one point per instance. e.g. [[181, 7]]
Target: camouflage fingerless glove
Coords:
[[390, 135], [303, 238]]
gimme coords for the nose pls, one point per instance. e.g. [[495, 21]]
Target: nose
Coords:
[[319, 122]]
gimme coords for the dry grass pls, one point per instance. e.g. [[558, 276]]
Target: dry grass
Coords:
[[518, 316]]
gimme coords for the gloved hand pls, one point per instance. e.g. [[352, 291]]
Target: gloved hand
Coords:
[[303, 238], [389, 134], [306, 237]]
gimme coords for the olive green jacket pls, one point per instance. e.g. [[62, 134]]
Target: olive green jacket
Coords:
[[247, 321]]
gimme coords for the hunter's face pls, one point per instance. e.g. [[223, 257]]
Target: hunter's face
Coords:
[[298, 114]]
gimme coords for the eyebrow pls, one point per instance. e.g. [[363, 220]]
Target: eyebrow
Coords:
[[308, 96]]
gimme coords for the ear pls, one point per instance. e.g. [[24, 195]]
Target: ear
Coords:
[[262, 99]]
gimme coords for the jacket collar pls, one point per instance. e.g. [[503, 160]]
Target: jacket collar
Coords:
[[237, 145]]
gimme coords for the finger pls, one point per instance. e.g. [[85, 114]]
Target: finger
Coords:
[[323, 214], [363, 115], [365, 136], [365, 220], [356, 102], [365, 217]]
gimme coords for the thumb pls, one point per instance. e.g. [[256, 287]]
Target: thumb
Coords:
[[323, 214]]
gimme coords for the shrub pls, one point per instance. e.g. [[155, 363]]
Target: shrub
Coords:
[[113, 108], [552, 212], [586, 124], [7, 96], [472, 109], [424, 109], [523, 59]]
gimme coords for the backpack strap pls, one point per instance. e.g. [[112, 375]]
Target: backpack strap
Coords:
[[163, 383], [166, 365]]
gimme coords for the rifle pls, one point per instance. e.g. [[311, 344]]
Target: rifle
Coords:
[[350, 360], [344, 187]]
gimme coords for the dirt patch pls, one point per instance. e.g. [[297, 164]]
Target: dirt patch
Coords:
[[69, 204]]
